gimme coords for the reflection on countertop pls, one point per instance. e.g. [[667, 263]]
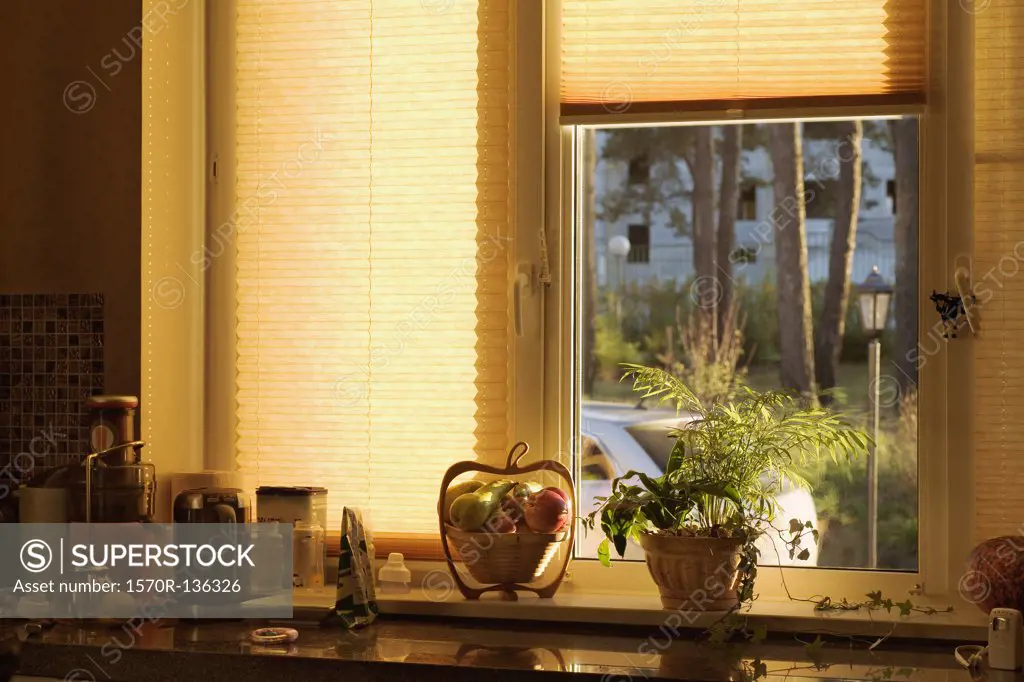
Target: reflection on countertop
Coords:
[[398, 649]]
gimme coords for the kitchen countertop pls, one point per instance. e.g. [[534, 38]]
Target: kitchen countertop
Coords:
[[395, 649]]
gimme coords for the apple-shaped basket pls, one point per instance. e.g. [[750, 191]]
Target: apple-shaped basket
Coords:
[[506, 562]]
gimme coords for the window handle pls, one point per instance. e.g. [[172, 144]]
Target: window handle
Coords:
[[523, 286]]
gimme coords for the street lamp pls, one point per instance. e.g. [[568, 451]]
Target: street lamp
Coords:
[[619, 247], [873, 297]]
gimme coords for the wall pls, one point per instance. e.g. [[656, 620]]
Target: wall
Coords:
[[70, 162]]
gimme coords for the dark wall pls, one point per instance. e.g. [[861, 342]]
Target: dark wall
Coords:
[[70, 162]]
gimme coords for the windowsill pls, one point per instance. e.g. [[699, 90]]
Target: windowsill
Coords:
[[965, 624]]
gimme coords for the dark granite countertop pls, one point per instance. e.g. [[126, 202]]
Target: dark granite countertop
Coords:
[[396, 649]]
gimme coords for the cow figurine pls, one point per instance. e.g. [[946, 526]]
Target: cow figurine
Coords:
[[951, 310]]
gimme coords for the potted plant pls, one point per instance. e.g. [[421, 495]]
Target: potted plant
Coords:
[[698, 522]]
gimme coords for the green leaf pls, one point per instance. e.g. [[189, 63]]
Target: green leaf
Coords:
[[795, 526], [675, 460], [804, 555], [813, 650], [758, 634], [603, 555], [620, 544], [906, 608]]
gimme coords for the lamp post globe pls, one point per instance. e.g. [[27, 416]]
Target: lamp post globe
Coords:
[[873, 298]]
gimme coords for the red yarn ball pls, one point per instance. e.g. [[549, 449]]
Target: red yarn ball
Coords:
[[995, 574]]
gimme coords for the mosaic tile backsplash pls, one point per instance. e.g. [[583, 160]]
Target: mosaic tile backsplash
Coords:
[[51, 360]]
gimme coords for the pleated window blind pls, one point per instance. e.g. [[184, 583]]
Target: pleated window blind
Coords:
[[999, 251], [663, 55], [372, 285]]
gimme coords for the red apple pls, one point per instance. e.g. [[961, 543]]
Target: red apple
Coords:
[[558, 491], [547, 511]]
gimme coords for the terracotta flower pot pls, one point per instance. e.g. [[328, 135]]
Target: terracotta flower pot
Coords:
[[698, 574]]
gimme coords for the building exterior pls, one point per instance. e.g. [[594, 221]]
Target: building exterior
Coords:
[[659, 252]]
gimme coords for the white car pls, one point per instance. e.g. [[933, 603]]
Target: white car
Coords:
[[617, 438]]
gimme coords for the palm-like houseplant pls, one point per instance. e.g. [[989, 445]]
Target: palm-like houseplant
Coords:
[[719, 490]]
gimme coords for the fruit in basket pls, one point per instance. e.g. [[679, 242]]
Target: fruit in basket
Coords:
[[501, 522], [455, 491], [525, 489], [470, 511], [558, 491], [547, 511]]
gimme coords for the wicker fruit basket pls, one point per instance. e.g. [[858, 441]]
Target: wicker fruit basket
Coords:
[[506, 562], [513, 558]]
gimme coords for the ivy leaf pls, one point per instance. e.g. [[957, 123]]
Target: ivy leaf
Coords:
[[905, 672], [804, 555], [758, 634], [813, 650], [808, 524], [875, 598], [888, 605], [760, 669], [603, 554], [814, 534], [795, 526], [905, 608]]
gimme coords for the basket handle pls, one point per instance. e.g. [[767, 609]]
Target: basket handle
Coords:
[[516, 454]]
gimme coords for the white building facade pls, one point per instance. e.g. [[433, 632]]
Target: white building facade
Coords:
[[659, 252]]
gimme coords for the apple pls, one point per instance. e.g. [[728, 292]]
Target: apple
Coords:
[[547, 511], [558, 491]]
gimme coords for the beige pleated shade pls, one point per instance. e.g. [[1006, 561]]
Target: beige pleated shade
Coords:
[[999, 253], [642, 56], [372, 330]]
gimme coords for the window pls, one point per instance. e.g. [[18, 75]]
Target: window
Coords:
[[639, 244], [664, 105], [370, 154], [998, 162], [746, 255], [747, 208], [890, 195], [639, 170], [781, 309]]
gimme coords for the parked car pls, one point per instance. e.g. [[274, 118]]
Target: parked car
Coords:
[[617, 438]]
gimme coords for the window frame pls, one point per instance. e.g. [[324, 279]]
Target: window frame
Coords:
[[945, 504]]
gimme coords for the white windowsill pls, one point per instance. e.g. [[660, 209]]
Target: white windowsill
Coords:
[[965, 624]]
